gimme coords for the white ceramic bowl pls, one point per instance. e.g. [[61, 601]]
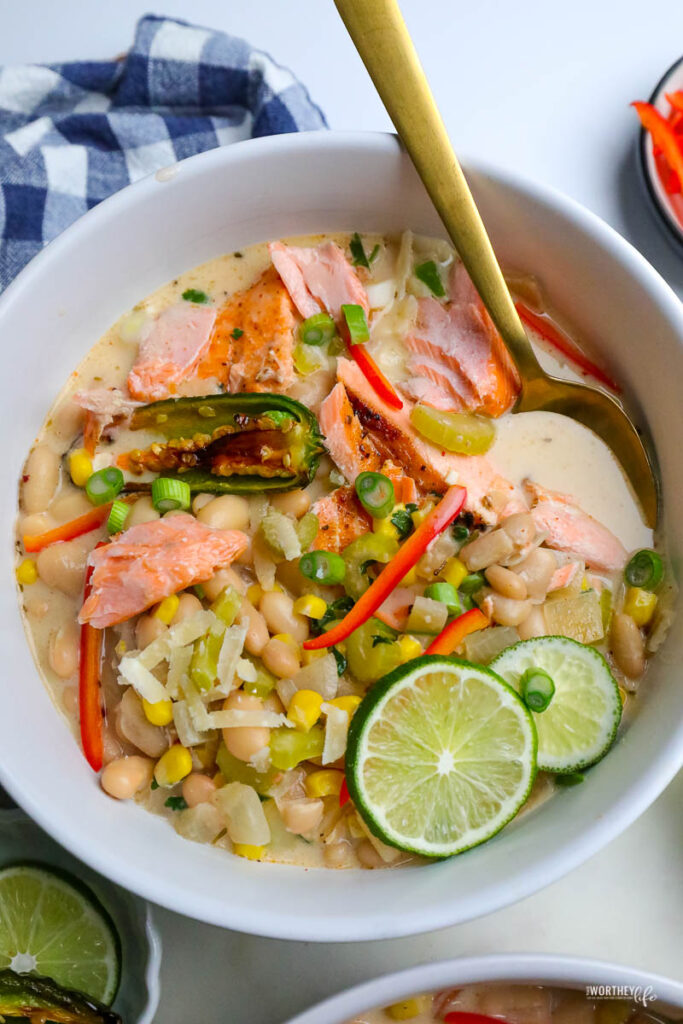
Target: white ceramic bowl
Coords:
[[222, 201], [566, 972]]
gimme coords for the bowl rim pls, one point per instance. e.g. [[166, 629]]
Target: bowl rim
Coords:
[[499, 967], [600, 830], [673, 231]]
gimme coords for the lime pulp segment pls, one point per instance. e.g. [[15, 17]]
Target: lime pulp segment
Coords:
[[441, 755], [54, 927], [580, 723]]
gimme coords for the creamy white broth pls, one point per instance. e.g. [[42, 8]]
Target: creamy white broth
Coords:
[[572, 461]]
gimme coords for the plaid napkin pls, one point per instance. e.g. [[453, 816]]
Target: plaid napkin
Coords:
[[71, 134]]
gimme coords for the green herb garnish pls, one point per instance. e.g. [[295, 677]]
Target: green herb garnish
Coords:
[[197, 296], [176, 803]]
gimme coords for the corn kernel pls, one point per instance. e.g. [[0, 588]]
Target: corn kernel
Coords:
[[27, 573], [287, 638], [248, 851], [173, 766], [254, 594], [410, 647], [410, 578], [160, 713], [327, 782], [454, 572], [407, 1009], [348, 703], [304, 709], [420, 515], [80, 467], [310, 605], [167, 608], [121, 648], [640, 605], [385, 528], [310, 656]]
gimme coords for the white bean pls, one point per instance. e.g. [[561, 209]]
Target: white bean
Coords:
[[537, 571], [247, 556], [70, 505], [507, 583], [257, 631], [337, 855], [628, 646], [277, 609], [39, 522], [200, 500], [126, 776], [63, 650], [132, 725], [280, 658], [485, 550], [368, 855], [147, 629], [214, 587], [143, 511], [245, 741], [302, 816], [70, 700], [188, 605], [227, 512], [62, 566], [198, 789], [292, 503], [40, 479], [505, 610], [520, 528], [534, 624]]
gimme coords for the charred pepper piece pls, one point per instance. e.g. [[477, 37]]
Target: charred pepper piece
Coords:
[[30, 996], [232, 444]]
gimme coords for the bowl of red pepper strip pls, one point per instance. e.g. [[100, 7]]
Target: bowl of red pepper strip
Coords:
[[660, 150]]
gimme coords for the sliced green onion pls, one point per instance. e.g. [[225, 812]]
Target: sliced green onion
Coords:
[[356, 322], [358, 257], [537, 689], [317, 329], [117, 516], [323, 567], [169, 494], [428, 273], [472, 583], [104, 485], [376, 494], [197, 296], [448, 595], [645, 569]]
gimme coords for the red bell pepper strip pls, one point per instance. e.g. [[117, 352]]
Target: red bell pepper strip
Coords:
[[663, 136], [675, 99], [464, 1017], [562, 343], [89, 700], [68, 531], [374, 376], [344, 795], [441, 516], [450, 638]]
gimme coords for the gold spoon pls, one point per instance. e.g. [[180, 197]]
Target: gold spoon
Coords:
[[382, 39]]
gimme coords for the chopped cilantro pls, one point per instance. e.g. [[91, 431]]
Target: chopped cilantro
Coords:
[[358, 257], [376, 640], [403, 521], [236, 334], [176, 803], [336, 610], [374, 254], [154, 784], [340, 659], [197, 296]]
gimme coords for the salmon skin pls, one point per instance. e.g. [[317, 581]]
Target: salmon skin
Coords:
[[171, 352], [253, 341], [151, 561], [574, 531], [318, 278], [457, 356], [341, 519]]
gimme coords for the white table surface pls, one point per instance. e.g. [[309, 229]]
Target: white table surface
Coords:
[[544, 89]]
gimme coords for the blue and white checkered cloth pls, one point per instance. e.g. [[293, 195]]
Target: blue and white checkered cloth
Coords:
[[72, 134]]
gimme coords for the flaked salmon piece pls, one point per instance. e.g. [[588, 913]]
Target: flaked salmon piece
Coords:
[[395, 610], [171, 352], [456, 348], [318, 278], [564, 575], [342, 519], [405, 489], [574, 531], [151, 561], [489, 495], [253, 341], [103, 407]]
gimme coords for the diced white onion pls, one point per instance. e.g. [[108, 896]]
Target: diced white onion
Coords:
[[244, 812], [286, 689], [381, 293], [336, 729], [246, 670], [321, 675]]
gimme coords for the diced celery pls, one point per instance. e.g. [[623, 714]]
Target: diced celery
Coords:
[[579, 618], [263, 685], [486, 644], [606, 608], [427, 616], [227, 605], [307, 530], [460, 432], [371, 547], [204, 664], [234, 770], [289, 747], [372, 651]]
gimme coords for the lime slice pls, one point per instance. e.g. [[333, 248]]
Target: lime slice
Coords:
[[581, 721], [441, 755], [52, 925]]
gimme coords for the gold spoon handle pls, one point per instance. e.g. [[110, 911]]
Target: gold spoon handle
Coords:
[[381, 37]]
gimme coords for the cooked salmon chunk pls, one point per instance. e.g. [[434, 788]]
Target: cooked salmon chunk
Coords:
[[319, 278], [172, 350], [253, 341], [489, 495], [151, 561], [457, 357], [574, 531], [342, 519]]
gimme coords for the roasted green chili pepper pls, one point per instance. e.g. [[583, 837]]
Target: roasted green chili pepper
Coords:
[[229, 444], [29, 996]]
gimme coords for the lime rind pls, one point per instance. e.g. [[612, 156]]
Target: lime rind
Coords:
[[54, 919], [581, 722], [441, 756]]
